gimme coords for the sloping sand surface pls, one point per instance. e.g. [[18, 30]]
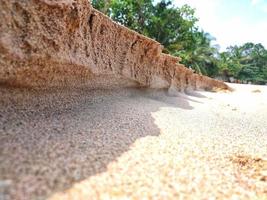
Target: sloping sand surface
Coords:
[[133, 144]]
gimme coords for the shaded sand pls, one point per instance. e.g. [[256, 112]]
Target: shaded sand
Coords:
[[133, 144]]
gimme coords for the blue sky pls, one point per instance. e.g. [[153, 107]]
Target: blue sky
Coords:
[[232, 22]]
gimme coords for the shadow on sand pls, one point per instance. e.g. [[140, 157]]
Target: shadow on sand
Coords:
[[51, 139]]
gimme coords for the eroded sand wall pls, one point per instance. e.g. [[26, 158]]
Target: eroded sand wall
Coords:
[[68, 43]]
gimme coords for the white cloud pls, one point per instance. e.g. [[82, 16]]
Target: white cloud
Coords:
[[231, 30], [236, 32], [205, 11], [255, 2], [260, 4], [264, 8]]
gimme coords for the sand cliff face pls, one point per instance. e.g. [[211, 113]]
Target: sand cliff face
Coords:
[[46, 43]]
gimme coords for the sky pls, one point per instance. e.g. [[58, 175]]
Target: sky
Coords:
[[232, 22]]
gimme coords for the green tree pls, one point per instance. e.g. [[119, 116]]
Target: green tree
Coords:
[[201, 55], [254, 63], [176, 29], [247, 62], [102, 5], [162, 21], [171, 26], [133, 14]]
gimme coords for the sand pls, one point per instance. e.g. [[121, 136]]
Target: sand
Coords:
[[133, 144]]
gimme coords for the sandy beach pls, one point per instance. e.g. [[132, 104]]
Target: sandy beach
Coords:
[[133, 144]]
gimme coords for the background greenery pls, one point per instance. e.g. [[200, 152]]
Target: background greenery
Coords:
[[175, 28]]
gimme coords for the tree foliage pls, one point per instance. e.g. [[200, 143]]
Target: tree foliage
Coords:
[[176, 29], [247, 62]]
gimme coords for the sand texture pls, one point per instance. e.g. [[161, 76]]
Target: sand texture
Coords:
[[91, 110], [133, 144]]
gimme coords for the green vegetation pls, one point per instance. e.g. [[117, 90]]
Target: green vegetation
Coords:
[[176, 29]]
